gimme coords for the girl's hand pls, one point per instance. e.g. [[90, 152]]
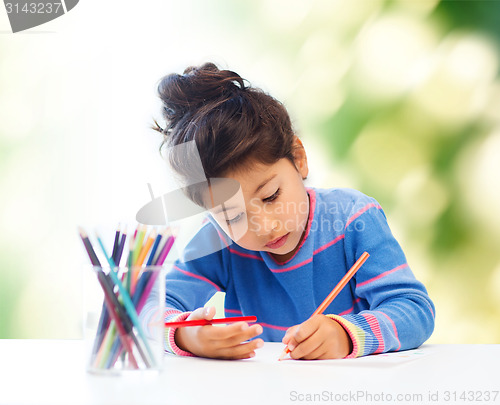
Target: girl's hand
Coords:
[[219, 342], [318, 338]]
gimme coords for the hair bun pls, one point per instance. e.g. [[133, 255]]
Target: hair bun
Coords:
[[196, 87]]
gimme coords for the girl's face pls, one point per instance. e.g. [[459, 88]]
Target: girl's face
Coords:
[[271, 211]]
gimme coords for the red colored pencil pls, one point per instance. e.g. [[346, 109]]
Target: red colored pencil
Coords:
[[203, 322], [328, 300]]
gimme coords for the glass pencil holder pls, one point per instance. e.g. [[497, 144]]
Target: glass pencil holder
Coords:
[[123, 319]]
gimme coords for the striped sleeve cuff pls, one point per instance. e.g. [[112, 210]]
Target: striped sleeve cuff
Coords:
[[355, 333], [170, 345]]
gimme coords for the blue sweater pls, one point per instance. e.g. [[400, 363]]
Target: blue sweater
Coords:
[[383, 308]]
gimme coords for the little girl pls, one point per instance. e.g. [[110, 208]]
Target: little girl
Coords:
[[292, 244]]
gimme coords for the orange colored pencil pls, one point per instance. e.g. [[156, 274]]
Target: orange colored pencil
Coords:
[[341, 284], [145, 248], [143, 252]]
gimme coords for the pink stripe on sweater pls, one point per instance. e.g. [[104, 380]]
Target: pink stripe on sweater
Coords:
[[266, 325], [333, 242], [187, 273], [170, 312], [233, 311], [170, 332], [248, 255], [222, 237], [386, 273], [351, 331], [393, 327], [348, 311], [375, 328], [430, 309], [362, 211], [292, 267]]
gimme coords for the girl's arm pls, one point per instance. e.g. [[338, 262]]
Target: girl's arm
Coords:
[[401, 314], [189, 285], [194, 279]]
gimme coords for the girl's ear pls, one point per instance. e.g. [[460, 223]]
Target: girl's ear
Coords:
[[300, 158]]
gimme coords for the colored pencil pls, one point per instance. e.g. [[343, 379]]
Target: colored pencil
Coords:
[[166, 249], [148, 278], [129, 306], [106, 350], [135, 268], [108, 337], [120, 247], [152, 278], [103, 320], [336, 290], [147, 282], [129, 263], [140, 259], [145, 248], [114, 315], [104, 317], [138, 292], [88, 247], [105, 346], [140, 295], [141, 233], [119, 322], [165, 234], [116, 243], [202, 322], [154, 248]]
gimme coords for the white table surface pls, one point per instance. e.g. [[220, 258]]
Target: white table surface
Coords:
[[53, 372]]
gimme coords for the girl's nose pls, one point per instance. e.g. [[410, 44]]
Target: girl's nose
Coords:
[[266, 225]]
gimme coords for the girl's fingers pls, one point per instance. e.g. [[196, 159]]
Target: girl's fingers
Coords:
[[230, 342], [319, 338], [289, 333], [207, 313], [234, 333], [301, 333], [226, 342], [243, 334], [307, 348], [240, 351], [317, 354]]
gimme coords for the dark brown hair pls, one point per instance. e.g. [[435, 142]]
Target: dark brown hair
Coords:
[[230, 122]]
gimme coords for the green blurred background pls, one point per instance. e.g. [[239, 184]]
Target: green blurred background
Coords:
[[399, 99]]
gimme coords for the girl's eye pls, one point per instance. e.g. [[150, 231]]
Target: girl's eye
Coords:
[[273, 197], [235, 219]]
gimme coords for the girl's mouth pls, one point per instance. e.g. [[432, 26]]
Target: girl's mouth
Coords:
[[278, 242]]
